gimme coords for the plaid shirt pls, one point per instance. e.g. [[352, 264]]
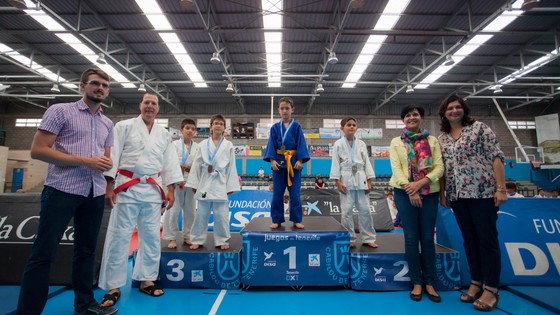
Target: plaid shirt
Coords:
[[79, 133]]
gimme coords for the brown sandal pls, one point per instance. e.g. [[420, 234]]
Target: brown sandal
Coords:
[[485, 307], [467, 298]]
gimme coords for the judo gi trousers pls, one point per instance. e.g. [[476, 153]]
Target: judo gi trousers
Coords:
[[361, 200], [184, 200], [124, 218], [199, 230], [280, 182]]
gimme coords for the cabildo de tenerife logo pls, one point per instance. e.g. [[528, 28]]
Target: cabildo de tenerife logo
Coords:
[[447, 270], [250, 259], [337, 258], [358, 268], [224, 269]]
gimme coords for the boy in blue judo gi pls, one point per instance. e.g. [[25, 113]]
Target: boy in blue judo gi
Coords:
[[286, 151]]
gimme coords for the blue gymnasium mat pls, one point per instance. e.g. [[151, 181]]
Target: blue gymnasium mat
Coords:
[[544, 296]]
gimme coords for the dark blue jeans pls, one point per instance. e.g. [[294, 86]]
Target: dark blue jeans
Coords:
[[418, 226], [57, 208], [477, 220]]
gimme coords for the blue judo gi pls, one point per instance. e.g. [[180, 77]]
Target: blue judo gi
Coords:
[[294, 140]]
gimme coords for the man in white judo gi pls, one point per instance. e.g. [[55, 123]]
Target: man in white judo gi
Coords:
[[144, 158]]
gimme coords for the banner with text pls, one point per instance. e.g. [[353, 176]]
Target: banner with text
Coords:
[[529, 233]]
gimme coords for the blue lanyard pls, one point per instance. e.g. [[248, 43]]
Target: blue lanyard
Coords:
[[217, 147], [186, 156], [351, 149], [287, 129]]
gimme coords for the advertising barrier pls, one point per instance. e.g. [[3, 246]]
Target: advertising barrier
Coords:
[[529, 234], [19, 217], [246, 205]]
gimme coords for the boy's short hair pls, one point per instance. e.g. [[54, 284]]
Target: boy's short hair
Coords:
[[345, 120], [187, 121], [511, 185], [287, 100], [217, 117]]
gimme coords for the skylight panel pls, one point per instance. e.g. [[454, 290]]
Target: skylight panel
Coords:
[[387, 21], [33, 65], [159, 21], [496, 25], [272, 21]]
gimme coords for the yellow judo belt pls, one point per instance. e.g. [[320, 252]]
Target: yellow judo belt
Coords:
[[289, 167]]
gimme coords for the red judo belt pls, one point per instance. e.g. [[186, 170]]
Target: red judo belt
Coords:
[[138, 180]]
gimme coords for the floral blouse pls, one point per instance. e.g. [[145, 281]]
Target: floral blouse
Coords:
[[469, 161]]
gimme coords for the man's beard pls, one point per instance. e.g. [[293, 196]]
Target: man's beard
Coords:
[[95, 99]]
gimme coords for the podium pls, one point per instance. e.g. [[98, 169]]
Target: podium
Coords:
[[385, 268], [287, 256], [319, 255], [206, 267]]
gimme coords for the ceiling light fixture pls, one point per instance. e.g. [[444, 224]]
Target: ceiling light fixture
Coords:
[[101, 59], [320, 88], [229, 88], [142, 88], [448, 61], [187, 4], [215, 58], [20, 4], [332, 58], [498, 89], [55, 88], [409, 89], [357, 3], [526, 6]]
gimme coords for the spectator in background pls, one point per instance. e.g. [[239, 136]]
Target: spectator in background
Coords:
[[554, 193], [319, 182], [511, 190], [540, 193], [261, 172]]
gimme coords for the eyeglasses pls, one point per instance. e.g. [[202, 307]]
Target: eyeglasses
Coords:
[[97, 83]]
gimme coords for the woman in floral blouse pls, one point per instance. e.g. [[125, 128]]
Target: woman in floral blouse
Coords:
[[417, 167], [473, 185]]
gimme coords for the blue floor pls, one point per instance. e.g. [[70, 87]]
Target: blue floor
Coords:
[[281, 301]]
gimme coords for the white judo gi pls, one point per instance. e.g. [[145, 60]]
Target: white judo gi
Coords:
[[212, 190], [147, 155], [356, 185], [184, 198]]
